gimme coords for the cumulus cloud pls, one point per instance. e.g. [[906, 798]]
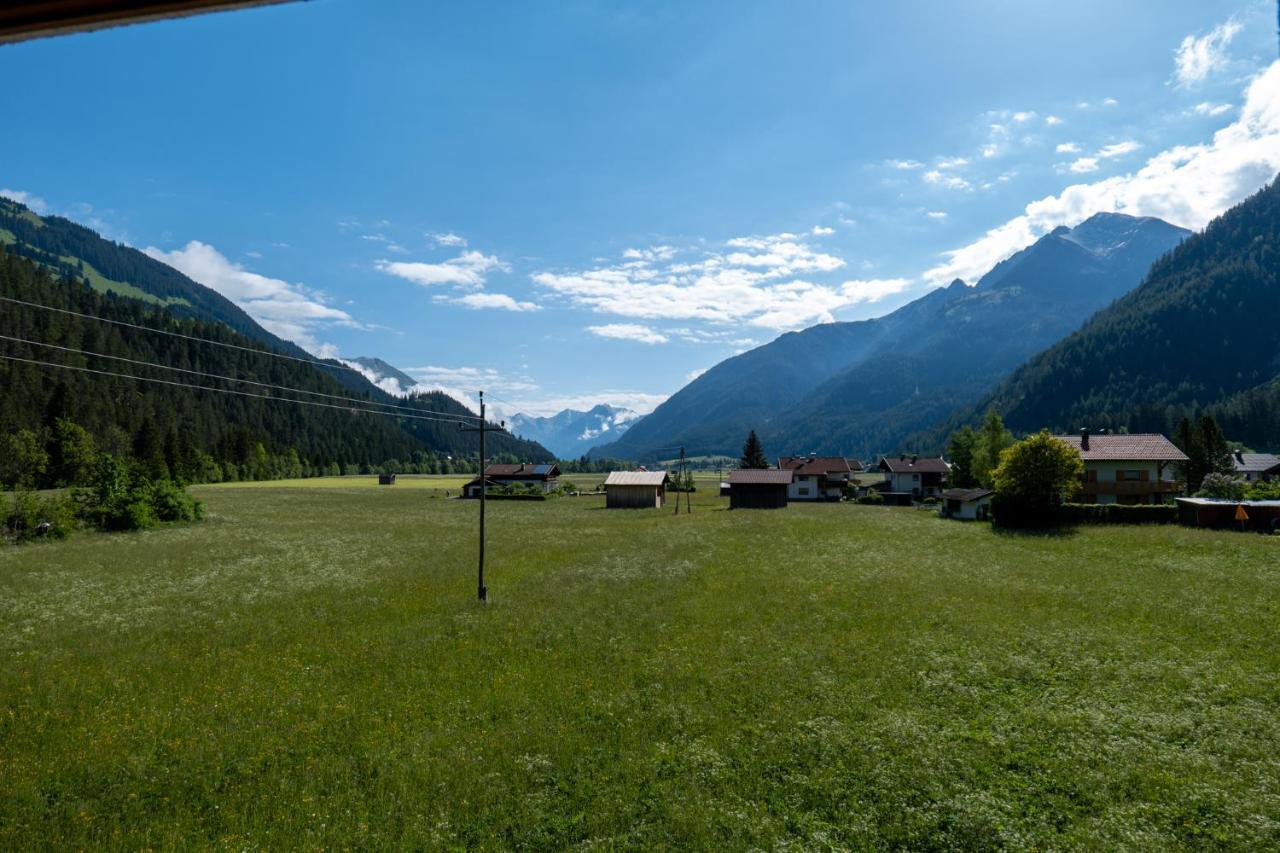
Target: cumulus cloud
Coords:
[[1052, 120], [1068, 148], [1187, 185], [904, 165], [1197, 58], [289, 310], [1084, 164], [492, 300], [936, 214], [35, 202], [758, 281], [952, 162], [468, 270], [822, 231], [629, 332]]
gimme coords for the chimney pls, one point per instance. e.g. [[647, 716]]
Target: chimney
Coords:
[[914, 458], [1084, 439], [1240, 457], [902, 458]]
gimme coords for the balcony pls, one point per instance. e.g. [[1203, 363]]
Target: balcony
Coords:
[[1130, 487]]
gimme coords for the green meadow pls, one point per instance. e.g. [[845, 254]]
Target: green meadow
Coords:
[[309, 668]]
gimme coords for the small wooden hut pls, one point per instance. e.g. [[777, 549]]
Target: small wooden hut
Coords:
[[386, 479], [759, 488], [636, 489]]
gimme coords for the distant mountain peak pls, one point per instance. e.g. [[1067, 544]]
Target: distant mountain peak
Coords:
[[572, 432]]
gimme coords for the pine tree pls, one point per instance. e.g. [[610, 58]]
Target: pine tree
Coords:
[[753, 453], [962, 451], [991, 442]]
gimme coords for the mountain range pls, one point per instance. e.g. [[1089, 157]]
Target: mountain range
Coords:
[[571, 433], [1201, 334], [865, 387]]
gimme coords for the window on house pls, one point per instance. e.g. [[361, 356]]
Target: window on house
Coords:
[[804, 490], [1130, 476]]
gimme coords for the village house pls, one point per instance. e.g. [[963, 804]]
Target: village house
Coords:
[[912, 478], [967, 504], [636, 489], [759, 488], [1126, 469], [543, 477], [1256, 467], [816, 478]]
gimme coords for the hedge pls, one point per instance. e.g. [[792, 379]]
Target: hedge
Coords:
[[499, 496], [1118, 514]]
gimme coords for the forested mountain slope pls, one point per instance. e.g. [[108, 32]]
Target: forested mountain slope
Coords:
[[189, 429], [862, 388], [1201, 333]]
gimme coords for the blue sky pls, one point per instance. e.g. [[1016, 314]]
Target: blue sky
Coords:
[[577, 202]]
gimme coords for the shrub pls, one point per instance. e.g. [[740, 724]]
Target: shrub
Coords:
[[1034, 479], [170, 502], [871, 498], [1222, 487], [28, 511]]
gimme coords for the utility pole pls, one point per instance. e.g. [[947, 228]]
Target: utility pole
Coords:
[[481, 590]]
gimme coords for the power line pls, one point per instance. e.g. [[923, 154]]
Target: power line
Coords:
[[219, 343], [231, 378], [229, 391], [255, 350]]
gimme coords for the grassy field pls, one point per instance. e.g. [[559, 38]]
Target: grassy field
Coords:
[[432, 482], [308, 668]]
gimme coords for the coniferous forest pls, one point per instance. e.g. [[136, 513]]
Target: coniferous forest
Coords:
[[200, 435]]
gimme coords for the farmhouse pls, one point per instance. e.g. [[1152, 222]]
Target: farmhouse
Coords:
[[912, 477], [816, 478], [541, 476], [636, 489], [754, 488], [1256, 467], [967, 504], [1126, 469]]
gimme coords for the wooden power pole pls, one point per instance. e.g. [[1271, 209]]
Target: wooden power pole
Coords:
[[482, 591]]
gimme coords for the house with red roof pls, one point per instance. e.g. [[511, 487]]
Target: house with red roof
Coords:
[[1126, 469], [816, 478]]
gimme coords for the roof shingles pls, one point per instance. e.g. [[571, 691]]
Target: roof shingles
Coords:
[[1139, 447]]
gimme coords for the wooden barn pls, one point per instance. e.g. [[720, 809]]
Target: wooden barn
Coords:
[[636, 489], [755, 488]]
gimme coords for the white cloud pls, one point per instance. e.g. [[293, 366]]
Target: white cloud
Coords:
[[1197, 58], [35, 202], [991, 149], [629, 332], [468, 269], [1068, 148], [822, 231], [1187, 185], [492, 300], [1207, 109], [748, 280], [1021, 117], [653, 253], [905, 164], [1084, 164], [640, 402], [1052, 120], [951, 182], [952, 162], [448, 239], [694, 374], [872, 290], [1109, 102], [1118, 149], [291, 311], [936, 214]]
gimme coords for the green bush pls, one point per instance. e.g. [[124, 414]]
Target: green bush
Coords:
[[871, 498], [1117, 514], [171, 502], [23, 518]]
